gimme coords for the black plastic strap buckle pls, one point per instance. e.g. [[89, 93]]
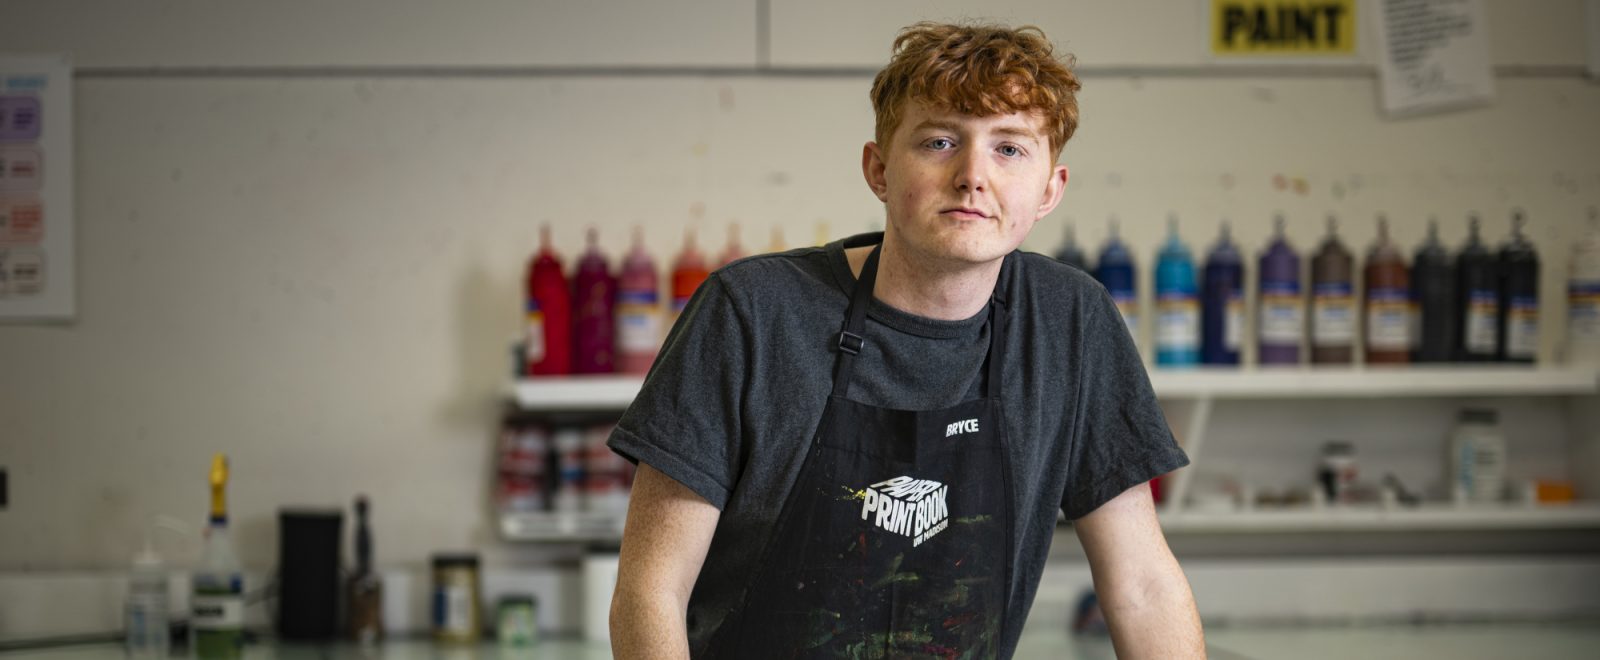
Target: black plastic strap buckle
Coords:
[[850, 342]]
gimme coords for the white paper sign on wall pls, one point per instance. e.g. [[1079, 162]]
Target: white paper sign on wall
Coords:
[[1433, 55], [36, 246]]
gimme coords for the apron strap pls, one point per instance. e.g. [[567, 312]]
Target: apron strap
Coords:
[[853, 337]]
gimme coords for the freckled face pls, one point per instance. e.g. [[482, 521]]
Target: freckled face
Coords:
[[961, 189]]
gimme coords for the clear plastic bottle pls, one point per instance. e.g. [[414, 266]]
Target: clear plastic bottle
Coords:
[[146, 612], [1476, 464]]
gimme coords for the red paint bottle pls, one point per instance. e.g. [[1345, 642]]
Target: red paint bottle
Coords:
[[549, 313]]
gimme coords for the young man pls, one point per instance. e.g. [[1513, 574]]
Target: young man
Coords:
[[859, 450]]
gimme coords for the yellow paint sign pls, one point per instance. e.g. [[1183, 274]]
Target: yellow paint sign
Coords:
[[1283, 27]]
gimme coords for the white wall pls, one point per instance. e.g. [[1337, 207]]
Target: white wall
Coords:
[[300, 247]]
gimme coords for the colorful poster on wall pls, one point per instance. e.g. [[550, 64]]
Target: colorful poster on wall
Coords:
[[36, 245], [1297, 29], [1434, 55]]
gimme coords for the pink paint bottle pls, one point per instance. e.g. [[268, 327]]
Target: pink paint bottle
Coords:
[[638, 310]]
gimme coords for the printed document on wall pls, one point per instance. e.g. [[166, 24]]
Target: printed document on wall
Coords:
[[36, 246], [1433, 55]]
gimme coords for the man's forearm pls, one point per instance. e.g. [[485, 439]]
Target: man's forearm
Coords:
[[1157, 620], [648, 626]]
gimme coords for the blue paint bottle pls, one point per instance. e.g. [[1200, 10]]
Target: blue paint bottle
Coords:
[[1222, 303], [1177, 305], [1116, 273]]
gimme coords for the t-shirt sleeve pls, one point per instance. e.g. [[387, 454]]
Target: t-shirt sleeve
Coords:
[[685, 420], [1122, 438]]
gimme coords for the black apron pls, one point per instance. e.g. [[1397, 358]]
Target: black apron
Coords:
[[896, 539]]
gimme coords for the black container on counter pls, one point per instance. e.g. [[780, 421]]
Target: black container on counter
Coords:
[[1478, 299]]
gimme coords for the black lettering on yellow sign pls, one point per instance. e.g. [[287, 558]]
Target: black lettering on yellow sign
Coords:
[[1283, 26]]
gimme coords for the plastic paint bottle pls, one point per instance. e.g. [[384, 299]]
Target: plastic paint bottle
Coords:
[[1433, 289], [1222, 303], [1583, 296], [1519, 297], [1070, 254], [1333, 305], [638, 310], [1478, 291], [1117, 274], [594, 292], [1388, 302], [733, 251], [1177, 303], [549, 309], [1281, 329], [687, 274]]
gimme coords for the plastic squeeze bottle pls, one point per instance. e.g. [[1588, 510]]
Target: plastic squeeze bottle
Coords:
[[1583, 296], [1070, 254], [1222, 303], [733, 251], [1388, 302], [549, 308], [1519, 296], [687, 275], [1177, 304], [1478, 288], [1433, 288], [1281, 329], [594, 292], [217, 603], [638, 310], [1116, 273], [1333, 304]]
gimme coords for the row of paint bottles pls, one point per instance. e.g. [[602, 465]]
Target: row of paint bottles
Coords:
[[608, 323], [1481, 306]]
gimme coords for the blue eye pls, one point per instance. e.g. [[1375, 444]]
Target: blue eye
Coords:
[[940, 143], [1010, 150]]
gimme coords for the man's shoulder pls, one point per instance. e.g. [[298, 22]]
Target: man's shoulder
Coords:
[[775, 275], [1043, 279]]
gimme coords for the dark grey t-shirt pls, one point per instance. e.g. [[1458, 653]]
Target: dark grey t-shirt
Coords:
[[732, 402]]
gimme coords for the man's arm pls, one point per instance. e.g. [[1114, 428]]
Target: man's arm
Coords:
[[1142, 590], [668, 531]]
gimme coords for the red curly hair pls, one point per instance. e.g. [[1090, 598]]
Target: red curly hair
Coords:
[[979, 70]]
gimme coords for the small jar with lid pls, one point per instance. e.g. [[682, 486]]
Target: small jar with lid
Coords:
[[1476, 464], [456, 597]]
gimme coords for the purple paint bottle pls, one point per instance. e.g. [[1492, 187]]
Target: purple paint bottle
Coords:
[[1281, 329], [593, 291]]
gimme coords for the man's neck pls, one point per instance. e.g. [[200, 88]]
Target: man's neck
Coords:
[[946, 294]]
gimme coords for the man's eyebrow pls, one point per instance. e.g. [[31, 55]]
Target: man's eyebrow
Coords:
[[1011, 131]]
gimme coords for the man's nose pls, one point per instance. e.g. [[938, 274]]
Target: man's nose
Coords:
[[972, 174]]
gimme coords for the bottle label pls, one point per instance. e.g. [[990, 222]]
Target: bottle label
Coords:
[[1583, 313], [452, 608], [533, 344], [1233, 323], [1177, 322], [1522, 328], [217, 604], [638, 322], [1128, 306], [1388, 320], [1333, 315], [1482, 329], [1282, 321]]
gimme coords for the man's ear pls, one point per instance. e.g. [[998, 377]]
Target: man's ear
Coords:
[[1053, 190], [873, 167]]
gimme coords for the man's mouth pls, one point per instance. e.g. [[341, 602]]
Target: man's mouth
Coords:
[[964, 213]]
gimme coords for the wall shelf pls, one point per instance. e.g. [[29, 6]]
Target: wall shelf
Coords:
[[606, 392], [574, 527], [1426, 518]]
